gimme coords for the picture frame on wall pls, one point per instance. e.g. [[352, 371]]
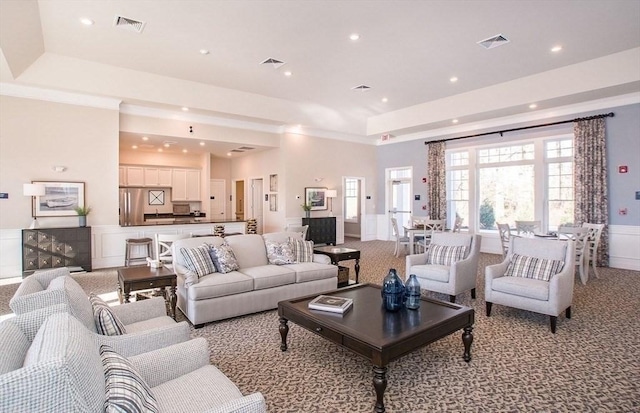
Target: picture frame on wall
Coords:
[[316, 197], [60, 199], [273, 202], [273, 183]]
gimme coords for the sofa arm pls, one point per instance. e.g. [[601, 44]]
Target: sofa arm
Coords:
[[253, 403], [140, 310], [321, 259], [132, 344], [31, 302], [162, 365], [496, 270], [415, 259]]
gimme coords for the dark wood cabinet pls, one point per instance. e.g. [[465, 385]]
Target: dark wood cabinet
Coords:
[[56, 247], [321, 230]]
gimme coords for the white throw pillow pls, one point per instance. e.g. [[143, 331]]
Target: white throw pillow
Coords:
[[279, 253]]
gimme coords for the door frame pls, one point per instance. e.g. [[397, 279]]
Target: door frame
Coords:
[[387, 197]]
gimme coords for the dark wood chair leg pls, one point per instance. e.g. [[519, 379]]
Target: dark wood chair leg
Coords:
[[473, 293], [452, 298], [567, 312], [554, 320], [488, 308]]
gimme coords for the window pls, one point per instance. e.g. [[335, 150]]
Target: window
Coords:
[[350, 200], [522, 180]]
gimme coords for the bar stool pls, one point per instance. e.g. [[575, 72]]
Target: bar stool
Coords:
[[131, 244]]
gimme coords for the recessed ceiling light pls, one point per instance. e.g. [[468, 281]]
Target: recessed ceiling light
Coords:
[[354, 36], [454, 121], [288, 73], [166, 145], [228, 153], [385, 100], [201, 143], [145, 138], [134, 147], [533, 106], [204, 51], [185, 109], [86, 21], [184, 151], [159, 149], [453, 79], [556, 49]]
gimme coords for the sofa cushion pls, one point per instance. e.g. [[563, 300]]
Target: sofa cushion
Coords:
[[106, 321], [445, 254], [219, 285], [279, 253], [223, 258], [302, 250], [126, 391], [522, 287], [249, 250], [268, 276], [312, 271], [532, 267], [198, 259]]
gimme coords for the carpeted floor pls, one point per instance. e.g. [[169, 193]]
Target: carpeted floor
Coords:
[[592, 363]]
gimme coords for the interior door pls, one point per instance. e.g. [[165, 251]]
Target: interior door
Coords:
[[257, 202], [400, 201], [217, 199]]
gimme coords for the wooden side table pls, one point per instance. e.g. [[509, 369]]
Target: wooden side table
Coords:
[[337, 254], [143, 278]]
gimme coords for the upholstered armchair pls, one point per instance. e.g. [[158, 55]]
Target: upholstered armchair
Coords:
[[449, 265], [144, 325], [537, 275], [64, 370]]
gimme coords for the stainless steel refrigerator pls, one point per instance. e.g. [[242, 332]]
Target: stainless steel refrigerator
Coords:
[[132, 206]]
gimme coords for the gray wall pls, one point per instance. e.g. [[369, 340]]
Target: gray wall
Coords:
[[623, 139]]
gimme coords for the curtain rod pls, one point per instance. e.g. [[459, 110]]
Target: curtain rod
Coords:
[[603, 115]]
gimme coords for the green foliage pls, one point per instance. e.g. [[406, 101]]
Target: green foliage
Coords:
[[306, 207], [487, 216], [82, 211]]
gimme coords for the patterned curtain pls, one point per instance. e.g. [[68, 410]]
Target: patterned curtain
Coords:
[[590, 180], [437, 181]]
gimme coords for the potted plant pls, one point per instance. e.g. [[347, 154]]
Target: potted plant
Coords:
[[307, 210], [82, 214]]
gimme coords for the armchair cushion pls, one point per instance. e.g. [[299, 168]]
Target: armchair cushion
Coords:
[[522, 287], [223, 257], [303, 250], [279, 253], [126, 391], [198, 260], [107, 323], [445, 254], [532, 267]]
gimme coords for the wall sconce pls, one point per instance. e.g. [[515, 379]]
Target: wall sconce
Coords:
[[331, 193], [59, 168], [33, 190]]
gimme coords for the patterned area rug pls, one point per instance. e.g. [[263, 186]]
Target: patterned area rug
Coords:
[[592, 363]]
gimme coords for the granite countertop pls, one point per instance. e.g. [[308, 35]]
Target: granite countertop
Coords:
[[170, 219]]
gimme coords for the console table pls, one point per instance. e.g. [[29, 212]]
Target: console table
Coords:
[[44, 248], [321, 230]]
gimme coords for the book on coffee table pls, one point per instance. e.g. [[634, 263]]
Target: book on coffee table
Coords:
[[330, 303]]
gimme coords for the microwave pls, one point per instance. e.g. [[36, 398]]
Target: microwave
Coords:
[[181, 209]]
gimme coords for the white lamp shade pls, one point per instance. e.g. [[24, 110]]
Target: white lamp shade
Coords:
[[33, 189], [331, 193]]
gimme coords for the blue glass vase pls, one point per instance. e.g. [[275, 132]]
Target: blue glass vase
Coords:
[[392, 291], [412, 293]]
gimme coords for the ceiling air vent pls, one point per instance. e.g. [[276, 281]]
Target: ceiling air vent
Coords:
[[361, 88], [235, 150], [271, 61], [246, 148], [130, 24], [495, 41]]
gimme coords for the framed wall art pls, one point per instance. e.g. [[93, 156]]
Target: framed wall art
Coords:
[[273, 202], [316, 198], [273, 183], [156, 197], [60, 199]]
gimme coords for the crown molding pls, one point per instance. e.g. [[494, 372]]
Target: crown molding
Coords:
[[57, 96], [598, 104]]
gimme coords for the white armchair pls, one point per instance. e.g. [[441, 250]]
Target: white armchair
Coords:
[[532, 294], [453, 279]]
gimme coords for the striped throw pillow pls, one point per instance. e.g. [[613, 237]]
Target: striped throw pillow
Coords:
[[198, 260], [107, 323], [302, 250], [126, 389], [532, 267], [445, 254]]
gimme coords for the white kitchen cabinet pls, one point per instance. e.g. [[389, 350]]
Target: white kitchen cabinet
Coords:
[[134, 176], [185, 185], [122, 176], [157, 176]]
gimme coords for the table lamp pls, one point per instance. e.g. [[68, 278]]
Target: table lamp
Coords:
[[33, 190], [331, 193]]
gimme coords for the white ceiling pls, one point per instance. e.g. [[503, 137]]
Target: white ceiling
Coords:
[[407, 52]]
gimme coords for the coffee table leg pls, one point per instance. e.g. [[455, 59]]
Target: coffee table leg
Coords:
[[467, 339], [379, 384], [284, 330]]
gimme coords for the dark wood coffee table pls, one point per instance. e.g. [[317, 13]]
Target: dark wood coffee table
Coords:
[[144, 278], [337, 254], [379, 336]]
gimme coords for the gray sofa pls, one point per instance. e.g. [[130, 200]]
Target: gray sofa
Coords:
[[256, 286]]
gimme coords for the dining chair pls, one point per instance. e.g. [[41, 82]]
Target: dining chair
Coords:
[[505, 235], [457, 224], [579, 236], [163, 246], [417, 222], [591, 248], [430, 226], [400, 240], [528, 227]]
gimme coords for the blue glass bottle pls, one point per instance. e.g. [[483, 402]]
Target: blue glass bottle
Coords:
[[392, 291], [412, 293]]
